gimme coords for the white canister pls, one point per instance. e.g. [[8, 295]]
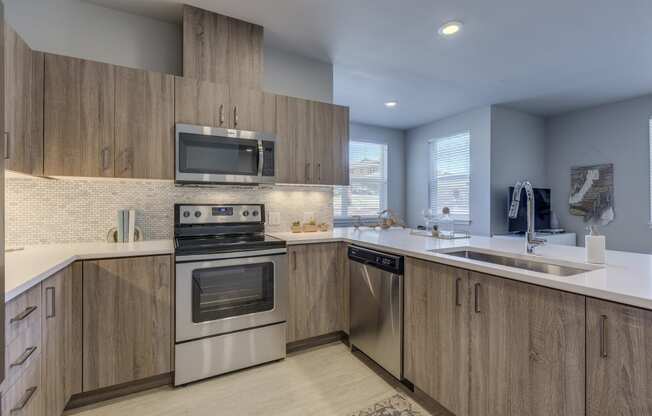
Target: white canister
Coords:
[[595, 247]]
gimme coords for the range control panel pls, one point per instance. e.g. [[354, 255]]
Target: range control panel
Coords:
[[219, 214]]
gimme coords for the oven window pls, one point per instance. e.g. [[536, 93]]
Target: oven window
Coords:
[[217, 155], [223, 292]]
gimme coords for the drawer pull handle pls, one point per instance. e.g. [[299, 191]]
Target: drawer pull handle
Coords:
[[603, 336], [23, 357], [24, 401], [23, 315], [458, 301], [477, 298], [50, 310]]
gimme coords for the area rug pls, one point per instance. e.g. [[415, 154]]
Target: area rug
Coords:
[[396, 405]]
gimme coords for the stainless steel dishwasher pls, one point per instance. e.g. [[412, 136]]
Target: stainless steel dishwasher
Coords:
[[377, 307]]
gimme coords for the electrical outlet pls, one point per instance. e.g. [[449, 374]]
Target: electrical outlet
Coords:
[[308, 216], [274, 218]]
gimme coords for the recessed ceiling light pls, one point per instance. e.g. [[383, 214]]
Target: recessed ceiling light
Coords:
[[450, 28], [391, 104]]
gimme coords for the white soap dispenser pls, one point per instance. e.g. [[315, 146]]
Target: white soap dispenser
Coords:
[[595, 246]]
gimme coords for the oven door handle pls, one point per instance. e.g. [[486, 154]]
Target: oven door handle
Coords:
[[261, 157]]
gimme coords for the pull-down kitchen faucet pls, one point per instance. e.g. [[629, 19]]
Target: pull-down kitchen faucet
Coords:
[[531, 242]]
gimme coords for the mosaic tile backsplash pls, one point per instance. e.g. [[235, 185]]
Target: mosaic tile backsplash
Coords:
[[48, 211]]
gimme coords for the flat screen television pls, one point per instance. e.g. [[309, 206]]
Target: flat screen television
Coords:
[[542, 212]]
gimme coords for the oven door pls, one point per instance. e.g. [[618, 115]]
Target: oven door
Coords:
[[219, 296], [216, 155]]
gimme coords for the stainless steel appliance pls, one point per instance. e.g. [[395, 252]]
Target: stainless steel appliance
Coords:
[[231, 290], [377, 307], [206, 155]]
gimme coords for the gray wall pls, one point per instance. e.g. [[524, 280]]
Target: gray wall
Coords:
[[478, 122], [84, 30], [518, 146], [395, 141], [615, 133]]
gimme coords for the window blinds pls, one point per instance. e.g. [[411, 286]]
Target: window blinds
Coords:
[[367, 194], [450, 175]]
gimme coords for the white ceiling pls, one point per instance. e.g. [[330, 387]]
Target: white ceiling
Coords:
[[541, 56]]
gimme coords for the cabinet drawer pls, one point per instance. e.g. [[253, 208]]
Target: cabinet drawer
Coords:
[[25, 397], [22, 313], [22, 352]]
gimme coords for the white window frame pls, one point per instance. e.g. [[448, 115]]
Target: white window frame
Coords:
[[432, 169], [350, 219]]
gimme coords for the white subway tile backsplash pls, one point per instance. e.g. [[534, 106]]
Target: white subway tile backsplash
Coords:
[[46, 211]]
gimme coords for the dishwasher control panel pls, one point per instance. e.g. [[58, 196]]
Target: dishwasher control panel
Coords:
[[385, 261]]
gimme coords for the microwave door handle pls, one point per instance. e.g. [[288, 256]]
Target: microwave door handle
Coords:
[[261, 155]]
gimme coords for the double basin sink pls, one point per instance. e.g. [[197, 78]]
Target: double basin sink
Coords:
[[540, 266]]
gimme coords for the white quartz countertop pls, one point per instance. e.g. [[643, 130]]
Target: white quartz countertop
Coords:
[[625, 278], [27, 267]]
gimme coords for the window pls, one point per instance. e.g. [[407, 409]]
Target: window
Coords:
[[450, 175], [367, 194], [650, 141]]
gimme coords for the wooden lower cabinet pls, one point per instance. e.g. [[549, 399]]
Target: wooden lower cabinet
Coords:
[[317, 290], [61, 338], [436, 350], [486, 346], [127, 320], [619, 359]]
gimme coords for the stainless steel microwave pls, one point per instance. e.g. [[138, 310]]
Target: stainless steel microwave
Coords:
[[206, 155]]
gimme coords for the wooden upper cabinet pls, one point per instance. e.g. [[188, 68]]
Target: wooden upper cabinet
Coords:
[[437, 332], [619, 359], [79, 119], [323, 164], [127, 314], [144, 119], [23, 104], [293, 140], [340, 148], [201, 103], [527, 349], [221, 49]]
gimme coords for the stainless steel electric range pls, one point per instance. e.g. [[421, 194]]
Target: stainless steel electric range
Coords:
[[231, 290]]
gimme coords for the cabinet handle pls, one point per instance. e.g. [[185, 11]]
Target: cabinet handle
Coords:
[[603, 336], [51, 307], [7, 153], [319, 172], [24, 314], [307, 172], [23, 357], [294, 260], [458, 301], [27, 396], [221, 114], [235, 116], [105, 158], [477, 298]]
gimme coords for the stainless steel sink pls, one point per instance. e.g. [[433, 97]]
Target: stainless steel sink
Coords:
[[531, 265]]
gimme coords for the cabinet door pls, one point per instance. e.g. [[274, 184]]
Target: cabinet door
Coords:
[[436, 353], [619, 359], [323, 144], [127, 320], [62, 338], [79, 117], [23, 105], [144, 117], [201, 103], [316, 291], [294, 143], [527, 349], [340, 148]]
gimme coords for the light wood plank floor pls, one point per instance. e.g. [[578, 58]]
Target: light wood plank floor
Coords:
[[326, 381]]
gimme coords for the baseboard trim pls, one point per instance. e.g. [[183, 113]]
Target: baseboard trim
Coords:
[[308, 343], [120, 390]]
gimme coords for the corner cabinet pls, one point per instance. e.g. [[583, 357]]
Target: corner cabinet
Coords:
[[486, 346], [127, 314]]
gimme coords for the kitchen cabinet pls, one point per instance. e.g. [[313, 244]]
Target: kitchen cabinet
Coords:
[[62, 338], [222, 49], [619, 359], [294, 144], [527, 354], [144, 118], [23, 105], [2, 200], [219, 105], [317, 291], [127, 330], [340, 148], [486, 346], [25, 397], [323, 164], [437, 332], [79, 119]]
